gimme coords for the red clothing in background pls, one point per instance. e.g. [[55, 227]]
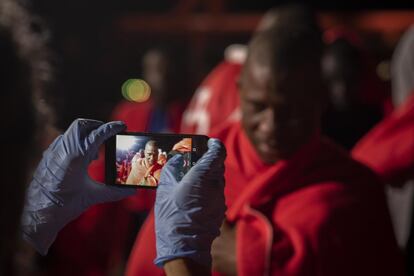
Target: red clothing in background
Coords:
[[320, 213], [389, 147], [141, 259], [137, 116], [215, 101]]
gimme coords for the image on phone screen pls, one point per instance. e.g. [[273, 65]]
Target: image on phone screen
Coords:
[[139, 159]]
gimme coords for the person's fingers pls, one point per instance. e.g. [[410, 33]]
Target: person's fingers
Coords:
[[211, 164], [171, 169]]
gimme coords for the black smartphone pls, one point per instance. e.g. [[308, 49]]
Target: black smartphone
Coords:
[[134, 159]]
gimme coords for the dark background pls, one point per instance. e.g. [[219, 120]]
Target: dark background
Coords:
[[99, 44]]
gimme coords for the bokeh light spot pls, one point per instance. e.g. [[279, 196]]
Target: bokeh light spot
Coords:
[[383, 70], [136, 90]]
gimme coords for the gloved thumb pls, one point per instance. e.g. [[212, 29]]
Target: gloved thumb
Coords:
[[98, 136], [172, 169], [215, 155], [74, 136]]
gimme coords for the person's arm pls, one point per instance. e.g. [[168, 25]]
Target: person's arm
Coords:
[[189, 212], [223, 250], [185, 267]]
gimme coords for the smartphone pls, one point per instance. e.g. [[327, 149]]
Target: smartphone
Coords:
[[134, 159]]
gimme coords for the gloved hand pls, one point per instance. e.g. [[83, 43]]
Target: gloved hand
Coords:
[[189, 212], [61, 188]]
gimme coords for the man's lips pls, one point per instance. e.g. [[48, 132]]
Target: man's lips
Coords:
[[268, 147]]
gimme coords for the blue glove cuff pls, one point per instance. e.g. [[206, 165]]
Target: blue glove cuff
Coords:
[[41, 247], [203, 258]]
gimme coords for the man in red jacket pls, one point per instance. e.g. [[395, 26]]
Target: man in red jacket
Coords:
[[297, 203], [303, 206]]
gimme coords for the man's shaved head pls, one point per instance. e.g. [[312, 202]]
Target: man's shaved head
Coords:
[[288, 14], [152, 143], [287, 46], [281, 90]]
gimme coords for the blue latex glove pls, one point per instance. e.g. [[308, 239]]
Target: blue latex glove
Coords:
[[61, 188], [189, 213]]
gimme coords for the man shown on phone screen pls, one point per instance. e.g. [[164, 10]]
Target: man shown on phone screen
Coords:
[[146, 171]]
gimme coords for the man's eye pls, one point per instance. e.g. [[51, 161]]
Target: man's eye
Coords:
[[258, 106]]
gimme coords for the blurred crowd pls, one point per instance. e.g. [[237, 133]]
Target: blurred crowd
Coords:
[[368, 116]]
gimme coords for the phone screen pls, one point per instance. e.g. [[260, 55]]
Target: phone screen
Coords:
[[137, 159]]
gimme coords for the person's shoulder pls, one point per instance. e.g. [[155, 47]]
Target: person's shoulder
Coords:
[[316, 195], [125, 109], [345, 166], [321, 203], [335, 177]]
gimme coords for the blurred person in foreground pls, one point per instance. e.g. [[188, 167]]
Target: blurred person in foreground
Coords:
[[17, 115], [388, 148], [61, 188], [27, 118], [297, 203]]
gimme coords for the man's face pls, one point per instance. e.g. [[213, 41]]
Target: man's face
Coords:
[[151, 154], [343, 80], [280, 112]]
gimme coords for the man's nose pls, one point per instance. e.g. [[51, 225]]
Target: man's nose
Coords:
[[267, 123]]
